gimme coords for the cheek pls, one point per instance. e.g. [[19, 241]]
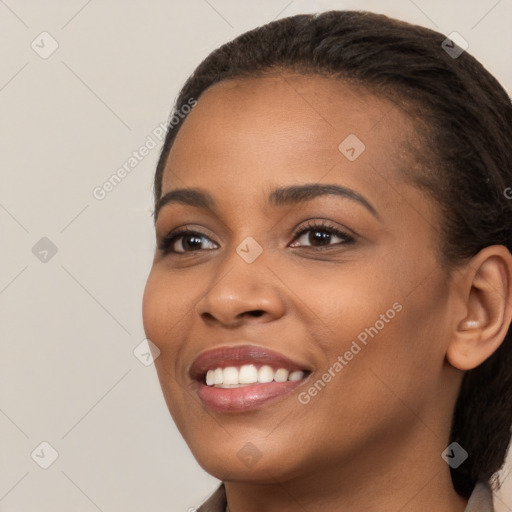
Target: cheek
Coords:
[[345, 302], [384, 319], [402, 350], [163, 312], [151, 304], [165, 305]]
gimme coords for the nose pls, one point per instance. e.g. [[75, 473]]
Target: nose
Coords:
[[243, 292]]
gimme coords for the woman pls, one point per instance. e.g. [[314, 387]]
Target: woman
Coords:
[[331, 292]]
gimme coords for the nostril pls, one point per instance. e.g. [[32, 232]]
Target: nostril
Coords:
[[256, 312]]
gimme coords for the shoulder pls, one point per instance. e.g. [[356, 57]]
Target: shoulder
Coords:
[[481, 499]]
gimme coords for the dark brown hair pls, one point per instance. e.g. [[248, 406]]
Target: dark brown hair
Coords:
[[465, 123]]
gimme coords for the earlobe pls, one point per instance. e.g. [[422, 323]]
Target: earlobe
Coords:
[[487, 308]]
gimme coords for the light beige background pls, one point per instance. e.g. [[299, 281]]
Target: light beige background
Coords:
[[69, 325]]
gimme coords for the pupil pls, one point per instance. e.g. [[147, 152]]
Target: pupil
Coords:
[[319, 237], [196, 242]]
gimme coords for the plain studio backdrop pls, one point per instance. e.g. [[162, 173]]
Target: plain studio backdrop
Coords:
[[84, 84]]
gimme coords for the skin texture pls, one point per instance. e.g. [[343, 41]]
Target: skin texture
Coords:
[[372, 438]]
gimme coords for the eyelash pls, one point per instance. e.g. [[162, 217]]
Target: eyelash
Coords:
[[169, 240]]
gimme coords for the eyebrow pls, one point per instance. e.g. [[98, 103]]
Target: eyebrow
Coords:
[[284, 196]]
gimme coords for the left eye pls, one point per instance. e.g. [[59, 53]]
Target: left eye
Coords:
[[321, 236]]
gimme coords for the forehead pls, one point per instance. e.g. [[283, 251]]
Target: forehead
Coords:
[[286, 128]]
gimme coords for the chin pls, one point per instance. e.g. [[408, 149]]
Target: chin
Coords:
[[244, 461]]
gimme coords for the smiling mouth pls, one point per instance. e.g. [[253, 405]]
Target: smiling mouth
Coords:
[[237, 379], [248, 374]]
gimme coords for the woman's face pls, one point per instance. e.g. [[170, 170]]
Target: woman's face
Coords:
[[361, 304]]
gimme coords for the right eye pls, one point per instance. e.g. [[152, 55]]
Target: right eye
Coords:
[[184, 240]]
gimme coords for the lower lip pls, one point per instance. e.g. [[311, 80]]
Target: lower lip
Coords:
[[245, 398]]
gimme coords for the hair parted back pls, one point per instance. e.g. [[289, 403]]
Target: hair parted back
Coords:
[[466, 147]]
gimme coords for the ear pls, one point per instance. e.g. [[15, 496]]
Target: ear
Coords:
[[485, 294]]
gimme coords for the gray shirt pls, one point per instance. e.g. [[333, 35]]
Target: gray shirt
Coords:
[[479, 501]]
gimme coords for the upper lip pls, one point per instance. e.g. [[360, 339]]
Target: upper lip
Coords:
[[239, 355]]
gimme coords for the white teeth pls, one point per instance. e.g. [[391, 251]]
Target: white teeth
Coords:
[[232, 376], [248, 374], [281, 375], [265, 374], [217, 376]]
